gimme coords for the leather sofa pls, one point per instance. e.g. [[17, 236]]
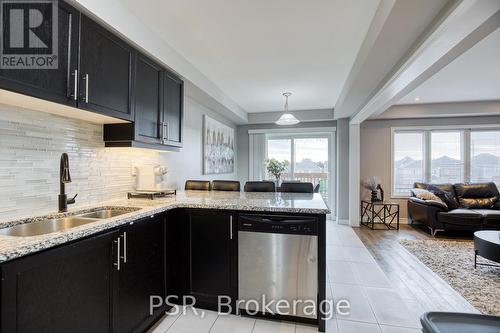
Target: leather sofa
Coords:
[[464, 206]]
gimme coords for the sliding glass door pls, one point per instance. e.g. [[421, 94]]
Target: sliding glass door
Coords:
[[309, 157]]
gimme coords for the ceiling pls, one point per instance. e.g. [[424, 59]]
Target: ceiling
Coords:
[[474, 76], [255, 50]]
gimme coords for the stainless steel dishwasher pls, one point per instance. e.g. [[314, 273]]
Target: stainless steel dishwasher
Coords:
[[277, 257]]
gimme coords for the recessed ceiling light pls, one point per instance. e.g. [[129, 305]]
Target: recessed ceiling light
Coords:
[[417, 99]]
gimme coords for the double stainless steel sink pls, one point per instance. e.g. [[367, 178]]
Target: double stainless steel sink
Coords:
[[60, 224]]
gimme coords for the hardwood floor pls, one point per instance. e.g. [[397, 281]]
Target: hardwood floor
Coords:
[[412, 279]]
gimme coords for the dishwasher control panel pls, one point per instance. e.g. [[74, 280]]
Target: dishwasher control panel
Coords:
[[285, 224]]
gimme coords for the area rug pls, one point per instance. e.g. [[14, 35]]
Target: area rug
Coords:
[[453, 261]]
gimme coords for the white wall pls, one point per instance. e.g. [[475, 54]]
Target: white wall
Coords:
[[188, 163], [376, 147]]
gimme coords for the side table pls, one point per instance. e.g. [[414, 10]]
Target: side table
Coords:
[[487, 245], [380, 213]]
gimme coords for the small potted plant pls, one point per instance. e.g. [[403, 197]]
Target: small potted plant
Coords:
[[276, 168]]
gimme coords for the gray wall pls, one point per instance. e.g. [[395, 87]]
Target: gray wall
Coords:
[[188, 163], [242, 141], [376, 146]]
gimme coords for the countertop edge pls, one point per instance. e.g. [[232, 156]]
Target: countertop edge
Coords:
[[87, 230]]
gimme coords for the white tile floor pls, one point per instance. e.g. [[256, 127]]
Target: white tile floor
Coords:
[[353, 274]]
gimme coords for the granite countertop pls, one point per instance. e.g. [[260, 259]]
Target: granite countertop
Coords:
[[13, 247]]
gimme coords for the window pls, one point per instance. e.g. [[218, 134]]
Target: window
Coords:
[[444, 156], [485, 156], [311, 162], [309, 159], [281, 150], [447, 161], [408, 161]]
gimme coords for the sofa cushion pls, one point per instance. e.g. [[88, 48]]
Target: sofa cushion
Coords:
[[478, 203], [464, 212], [476, 190], [422, 186], [461, 217], [478, 195], [447, 197], [491, 218], [488, 212], [445, 186]]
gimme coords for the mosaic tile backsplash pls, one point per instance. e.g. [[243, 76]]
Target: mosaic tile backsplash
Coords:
[[31, 143]]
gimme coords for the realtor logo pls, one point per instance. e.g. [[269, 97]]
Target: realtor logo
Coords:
[[29, 34]]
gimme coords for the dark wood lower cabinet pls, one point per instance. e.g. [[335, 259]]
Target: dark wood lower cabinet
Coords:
[[66, 289], [204, 263], [79, 287], [141, 275]]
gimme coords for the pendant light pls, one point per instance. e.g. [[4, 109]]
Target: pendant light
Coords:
[[287, 118]]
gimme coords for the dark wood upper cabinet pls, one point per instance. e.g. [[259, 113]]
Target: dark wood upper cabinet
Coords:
[[148, 101], [56, 85], [99, 72], [158, 110], [106, 67], [66, 289], [142, 275], [173, 109]]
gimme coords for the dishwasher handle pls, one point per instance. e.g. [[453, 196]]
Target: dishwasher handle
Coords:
[[283, 224], [271, 219]]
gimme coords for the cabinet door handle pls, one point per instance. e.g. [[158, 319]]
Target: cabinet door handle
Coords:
[[230, 226], [164, 132], [125, 247], [86, 97], [118, 250], [75, 83], [162, 136]]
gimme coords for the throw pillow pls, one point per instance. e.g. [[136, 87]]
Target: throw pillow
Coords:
[[445, 196], [428, 196]]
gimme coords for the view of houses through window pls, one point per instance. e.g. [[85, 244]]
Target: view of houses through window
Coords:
[[444, 156], [307, 157]]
